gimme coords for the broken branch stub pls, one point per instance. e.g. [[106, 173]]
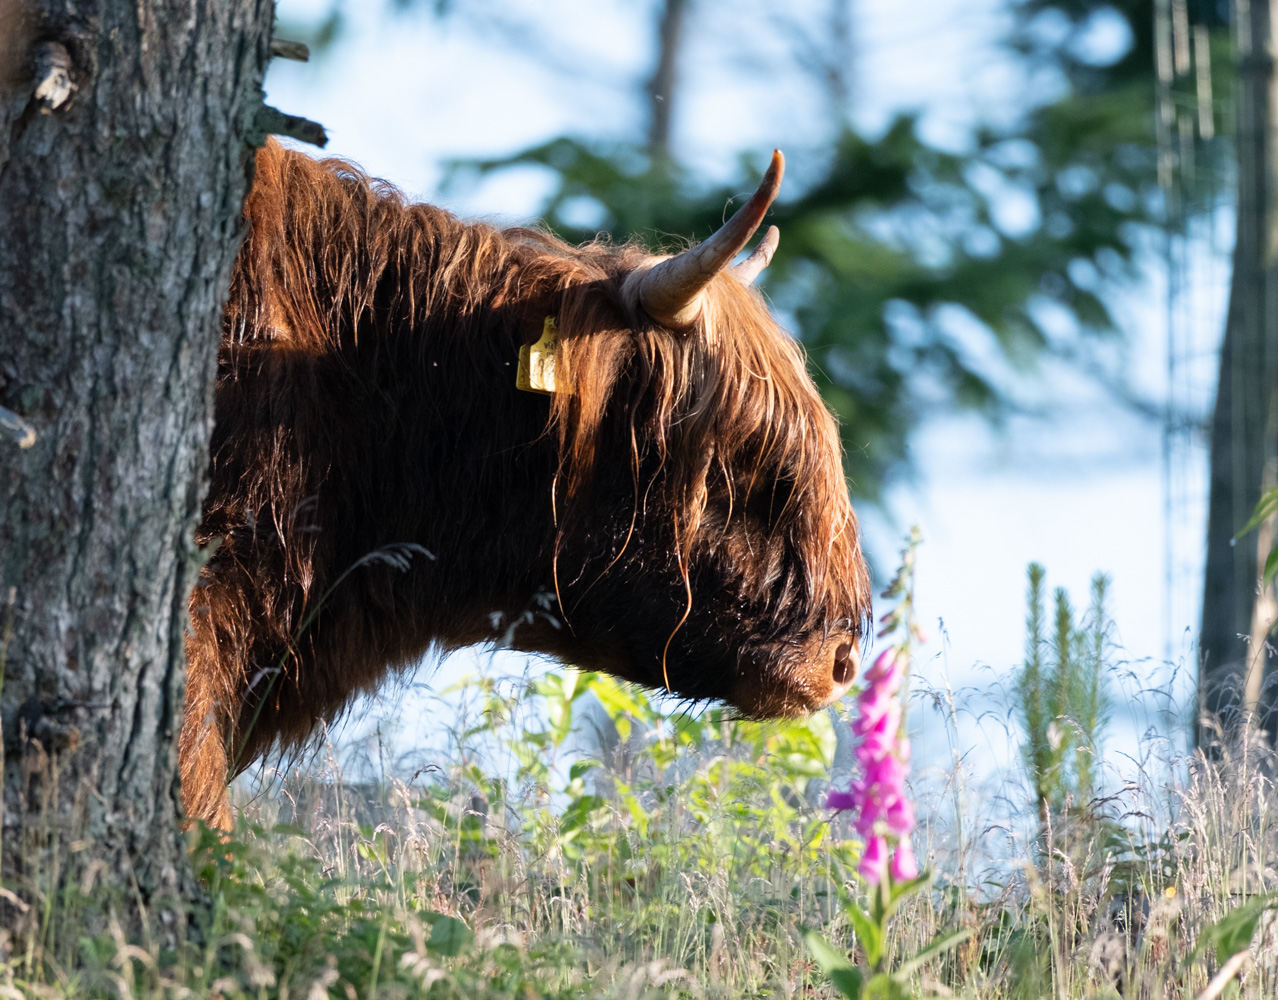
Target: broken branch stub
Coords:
[[273, 121], [283, 48]]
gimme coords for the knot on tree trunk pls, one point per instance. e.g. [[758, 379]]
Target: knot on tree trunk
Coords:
[[54, 85]]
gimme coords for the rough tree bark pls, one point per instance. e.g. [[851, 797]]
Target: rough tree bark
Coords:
[[1234, 675], [120, 206]]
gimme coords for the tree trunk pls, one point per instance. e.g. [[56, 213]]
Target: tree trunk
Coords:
[[1234, 675], [120, 206], [665, 77]]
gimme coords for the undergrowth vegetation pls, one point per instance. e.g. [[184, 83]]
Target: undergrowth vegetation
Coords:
[[569, 837]]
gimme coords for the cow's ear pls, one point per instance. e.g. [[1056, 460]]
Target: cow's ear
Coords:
[[671, 291]]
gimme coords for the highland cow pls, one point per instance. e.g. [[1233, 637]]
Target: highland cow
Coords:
[[674, 512]]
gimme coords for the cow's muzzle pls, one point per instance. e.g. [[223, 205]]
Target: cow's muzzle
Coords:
[[800, 680]]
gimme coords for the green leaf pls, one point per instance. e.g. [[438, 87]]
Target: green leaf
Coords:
[[449, 936], [899, 893], [1267, 505], [1233, 932], [884, 987], [939, 946], [842, 973], [1271, 566], [581, 768], [579, 811], [869, 933]]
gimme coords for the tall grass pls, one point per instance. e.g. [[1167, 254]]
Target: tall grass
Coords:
[[570, 838]]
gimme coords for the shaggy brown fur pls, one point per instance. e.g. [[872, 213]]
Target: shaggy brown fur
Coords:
[[379, 485]]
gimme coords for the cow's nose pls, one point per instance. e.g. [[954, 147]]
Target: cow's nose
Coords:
[[830, 671], [805, 680], [845, 662]]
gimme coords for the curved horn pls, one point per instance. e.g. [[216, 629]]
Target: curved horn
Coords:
[[670, 292], [753, 266]]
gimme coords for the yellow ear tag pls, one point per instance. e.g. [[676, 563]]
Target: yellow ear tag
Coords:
[[537, 361]]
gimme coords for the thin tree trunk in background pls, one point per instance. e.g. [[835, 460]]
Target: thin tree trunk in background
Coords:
[[119, 221], [665, 78], [1234, 675], [839, 66]]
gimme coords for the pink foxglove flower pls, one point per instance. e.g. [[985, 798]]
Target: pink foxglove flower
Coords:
[[899, 817], [882, 755], [873, 860], [904, 867]]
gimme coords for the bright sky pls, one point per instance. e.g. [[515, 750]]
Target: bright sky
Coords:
[[1079, 490]]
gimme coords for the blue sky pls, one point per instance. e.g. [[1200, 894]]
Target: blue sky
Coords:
[[1079, 487]]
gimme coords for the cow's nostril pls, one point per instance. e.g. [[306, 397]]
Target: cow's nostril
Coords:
[[844, 665]]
